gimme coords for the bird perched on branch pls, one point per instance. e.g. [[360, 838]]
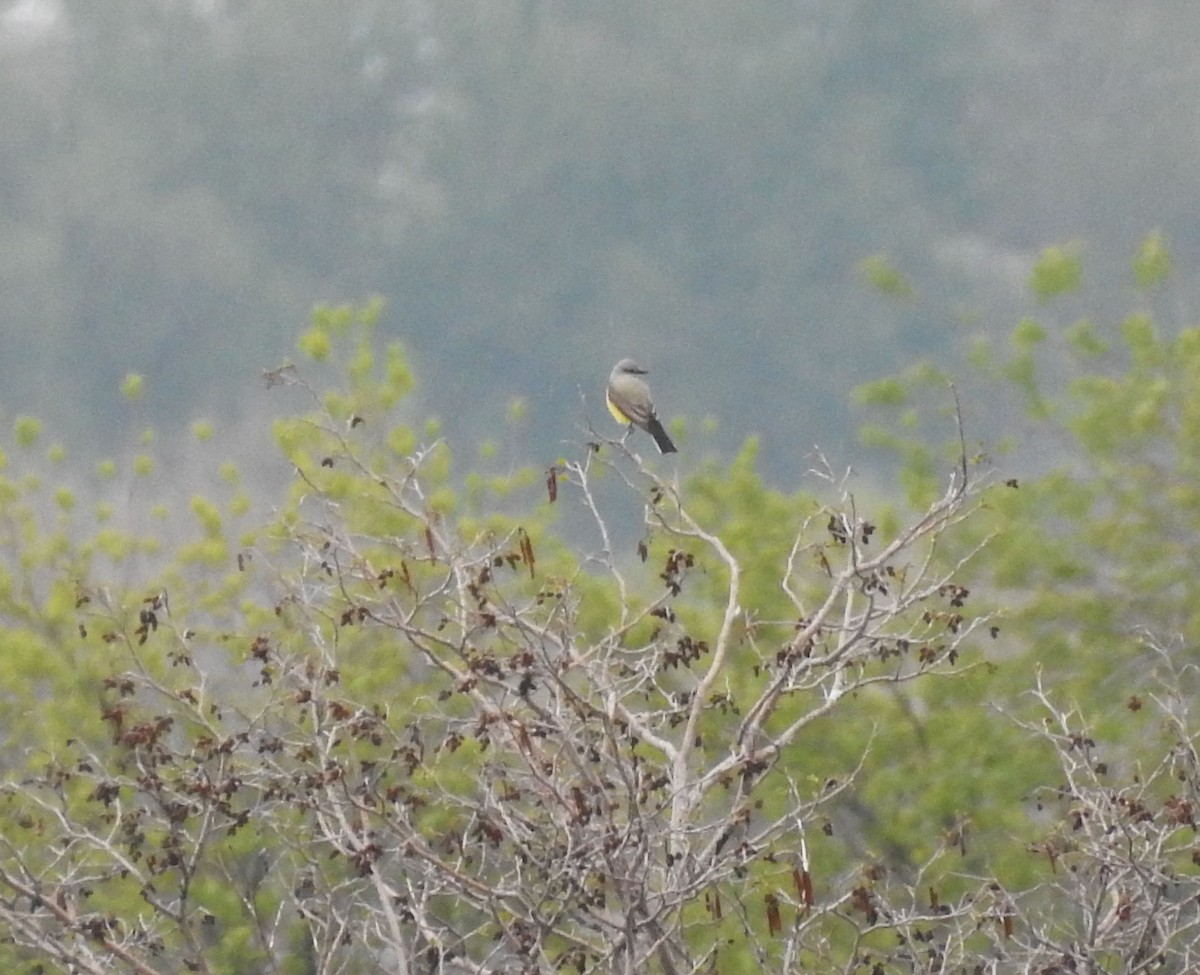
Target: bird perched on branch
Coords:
[[630, 402]]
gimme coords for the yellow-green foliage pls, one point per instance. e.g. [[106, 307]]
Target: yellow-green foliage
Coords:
[[26, 430], [133, 386], [1058, 271], [1086, 555], [883, 275], [297, 620], [1152, 263]]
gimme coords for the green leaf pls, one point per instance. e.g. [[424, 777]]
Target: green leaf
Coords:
[[315, 344], [209, 516], [132, 386], [1141, 337], [26, 430], [883, 275], [1027, 334], [892, 391], [1152, 263], [1085, 338], [1058, 271]]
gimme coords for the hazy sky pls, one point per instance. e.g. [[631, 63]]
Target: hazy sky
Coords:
[[540, 188]]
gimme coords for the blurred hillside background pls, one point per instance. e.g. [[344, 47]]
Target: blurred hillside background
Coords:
[[539, 187]]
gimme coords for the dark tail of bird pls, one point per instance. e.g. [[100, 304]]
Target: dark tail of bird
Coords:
[[655, 429]]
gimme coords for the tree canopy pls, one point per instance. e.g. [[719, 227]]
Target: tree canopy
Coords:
[[425, 713]]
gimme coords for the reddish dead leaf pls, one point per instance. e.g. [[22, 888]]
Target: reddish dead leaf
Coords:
[[804, 886], [1179, 812], [862, 901], [774, 921], [552, 484]]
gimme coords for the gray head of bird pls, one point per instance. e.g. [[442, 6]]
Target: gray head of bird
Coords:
[[629, 366]]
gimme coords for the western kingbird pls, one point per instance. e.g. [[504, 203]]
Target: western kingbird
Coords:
[[629, 401]]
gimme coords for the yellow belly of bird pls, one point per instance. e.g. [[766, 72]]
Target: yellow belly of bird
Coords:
[[617, 414]]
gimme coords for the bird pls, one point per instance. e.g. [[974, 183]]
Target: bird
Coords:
[[629, 401]]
